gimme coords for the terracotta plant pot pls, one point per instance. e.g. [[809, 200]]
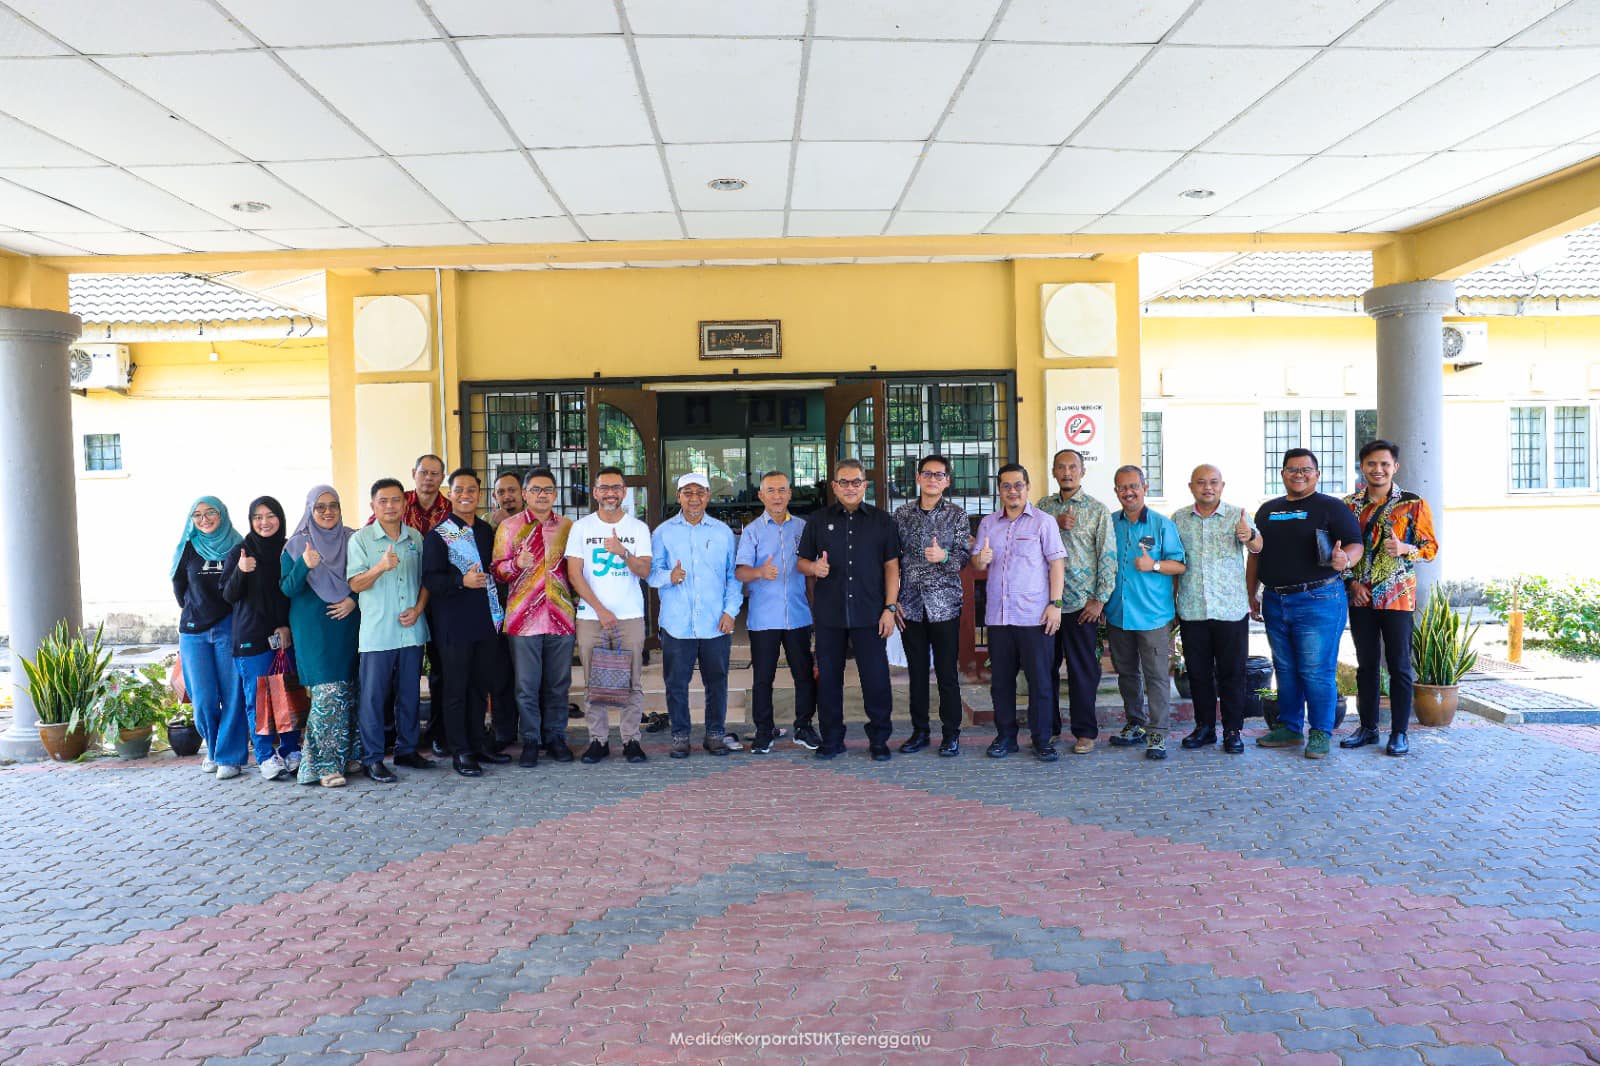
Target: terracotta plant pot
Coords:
[[183, 739], [134, 743], [61, 745], [1435, 705]]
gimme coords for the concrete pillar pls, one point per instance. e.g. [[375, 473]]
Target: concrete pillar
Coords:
[[38, 498], [1410, 319]]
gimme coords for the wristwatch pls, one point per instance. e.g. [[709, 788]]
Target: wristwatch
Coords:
[[892, 608], [1156, 566]]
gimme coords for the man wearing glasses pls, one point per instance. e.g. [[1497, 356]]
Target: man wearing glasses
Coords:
[[853, 550], [935, 543], [1309, 541]]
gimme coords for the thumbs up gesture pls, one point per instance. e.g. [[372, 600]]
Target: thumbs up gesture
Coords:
[[985, 555], [525, 559], [1397, 548], [246, 563], [935, 554], [390, 560], [1339, 560], [1243, 532], [769, 569], [678, 573], [1067, 520], [613, 544], [820, 567], [475, 578], [312, 557], [1144, 564]]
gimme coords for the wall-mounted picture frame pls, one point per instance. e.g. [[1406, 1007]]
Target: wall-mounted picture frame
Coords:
[[741, 340]]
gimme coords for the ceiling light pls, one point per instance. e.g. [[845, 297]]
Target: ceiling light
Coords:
[[1197, 194], [726, 184], [250, 207]]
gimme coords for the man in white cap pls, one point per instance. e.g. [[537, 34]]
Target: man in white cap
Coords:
[[692, 565]]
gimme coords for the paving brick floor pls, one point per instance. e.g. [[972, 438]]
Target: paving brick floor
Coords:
[[1440, 909]]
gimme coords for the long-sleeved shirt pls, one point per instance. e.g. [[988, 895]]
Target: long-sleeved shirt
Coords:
[[691, 610], [1212, 588], [1019, 574], [197, 584], [1091, 549], [539, 599], [259, 605], [779, 603], [1406, 515], [324, 647], [461, 614], [931, 592]]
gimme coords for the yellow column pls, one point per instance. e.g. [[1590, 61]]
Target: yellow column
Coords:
[[26, 282], [342, 393]]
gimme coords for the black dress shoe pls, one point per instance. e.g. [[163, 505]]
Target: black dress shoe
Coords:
[[414, 760], [1360, 738], [1232, 742], [558, 750], [918, 740], [1046, 753], [880, 753], [381, 774], [529, 757], [826, 752], [950, 747], [634, 752], [1398, 744], [999, 748], [595, 752], [496, 758], [1199, 738], [466, 766]]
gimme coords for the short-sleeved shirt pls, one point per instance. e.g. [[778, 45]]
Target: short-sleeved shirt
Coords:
[[613, 583], [393, 592], [1212, 589], [931, 592], [1143, 600], [1289, 537], [1018, 585], [1091, 549], [857, 543], [780, 603]]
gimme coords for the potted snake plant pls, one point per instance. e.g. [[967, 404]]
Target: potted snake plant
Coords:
[[1441, 655], [65, 681]]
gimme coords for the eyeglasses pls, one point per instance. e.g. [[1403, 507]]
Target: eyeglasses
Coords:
[[1299, 471], [264, 517], [934, 475], [204, 516], [550, 490], [326, 508], [849, 482], [1013, 486]]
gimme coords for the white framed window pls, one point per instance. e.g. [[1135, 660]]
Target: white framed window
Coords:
[[99, 455], [1153, 452], [1335, 434], [1550, 446]]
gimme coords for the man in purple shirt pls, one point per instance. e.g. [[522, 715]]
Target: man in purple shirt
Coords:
[[1020, 550]]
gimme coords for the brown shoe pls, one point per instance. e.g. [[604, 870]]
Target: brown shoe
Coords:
[[1083, 745]]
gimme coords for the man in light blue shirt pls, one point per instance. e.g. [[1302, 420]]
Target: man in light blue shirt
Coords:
[[692, 567], [780, 614]]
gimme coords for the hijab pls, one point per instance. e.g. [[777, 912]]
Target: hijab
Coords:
[[213, 547], [326, 580], [261, 589]]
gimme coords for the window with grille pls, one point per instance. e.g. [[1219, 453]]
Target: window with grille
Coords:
[[1528, 448], [1280, 431], [102, 451], [1571, 457], [513, 429], [1151, 452], [1328, 440], [1366, 426], [968, 422]]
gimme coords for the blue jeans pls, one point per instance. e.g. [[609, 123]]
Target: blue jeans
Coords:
[[213, 685], [678, 658], [1304, 629], [252, 668], [394, 672]]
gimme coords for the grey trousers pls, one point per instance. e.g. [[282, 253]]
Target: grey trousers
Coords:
[[1143, 658], [543, 665]]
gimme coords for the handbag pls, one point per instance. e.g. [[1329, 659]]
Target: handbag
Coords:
[[180, 690], [282, 703], [610, 672]]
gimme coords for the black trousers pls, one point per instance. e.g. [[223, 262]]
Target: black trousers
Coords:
[[765, 644], [472, 670], [1026, 648], [1214, 654], [1370, 627], [503, 711], [872, 663], [1078, 645], [943, 641]]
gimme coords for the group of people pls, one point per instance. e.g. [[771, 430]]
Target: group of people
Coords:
[[501, 603]]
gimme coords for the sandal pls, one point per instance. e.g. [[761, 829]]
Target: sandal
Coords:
[[333, 781]]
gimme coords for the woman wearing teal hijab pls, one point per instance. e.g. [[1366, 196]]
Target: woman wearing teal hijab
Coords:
[[205, 636]]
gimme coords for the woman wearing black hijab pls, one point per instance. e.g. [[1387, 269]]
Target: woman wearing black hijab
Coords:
[[261, 626]]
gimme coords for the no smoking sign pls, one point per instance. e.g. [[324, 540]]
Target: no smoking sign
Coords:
[[1078, 429]]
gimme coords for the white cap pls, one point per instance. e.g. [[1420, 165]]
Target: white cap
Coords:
[[692, 478]]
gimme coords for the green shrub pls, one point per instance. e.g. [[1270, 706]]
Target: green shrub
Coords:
[[1564, 610], [66, 676]]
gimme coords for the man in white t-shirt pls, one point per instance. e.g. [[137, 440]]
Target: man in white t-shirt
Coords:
[[608, 552]]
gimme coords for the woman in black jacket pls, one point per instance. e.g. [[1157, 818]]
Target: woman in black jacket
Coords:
[[261, 627], [205, 636]]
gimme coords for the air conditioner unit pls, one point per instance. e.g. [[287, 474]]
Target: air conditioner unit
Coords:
[[1466, 343], [100, 366]]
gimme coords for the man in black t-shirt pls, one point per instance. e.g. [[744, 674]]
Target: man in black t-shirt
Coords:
[[1296, 586]]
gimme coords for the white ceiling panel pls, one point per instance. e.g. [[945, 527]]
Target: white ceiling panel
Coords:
[[1548, 124], [363, 191], [1328, 222], [1228, 176], [688, 85], [733, 224], [216, 188], [640, 226], [342, 237], [1499, 181], [765, 167], [32, 244], [1431, 178], [484, 186], [99, 28], [852, 175], [563, 93], [749, 18], [435, 235], [25, 209], [1270, 22], [115, 243], [890, 91], [17, 38], [957, 20], [1019, 92], [1013, 222], [478, 18], [1333, 96], [24, 146], [528, 230], [933, 223], [1090, 181], [1090, 21], [1183, 95], [83, 105], [1320, 181], [1449, 23], [604, 181], [290, 23], [247, 100], [972, 177], [1236, 223], [410, 98], [1498, 86], [117, 196], [1139, 223], [1575, 24], [837, 223], [228, 240], [1401, 220]]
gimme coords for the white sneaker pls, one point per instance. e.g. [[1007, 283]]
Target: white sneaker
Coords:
[[272, 769], [293, 762], [207, 766], [225, 772]]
